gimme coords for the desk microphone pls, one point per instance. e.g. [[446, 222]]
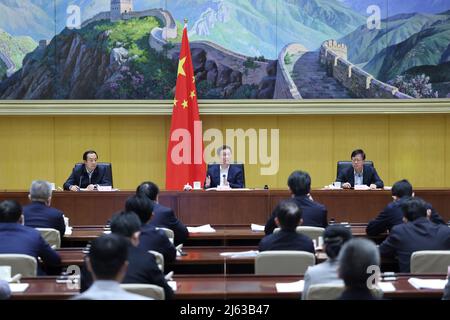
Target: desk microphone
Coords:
[[79, 185], [223, 176]]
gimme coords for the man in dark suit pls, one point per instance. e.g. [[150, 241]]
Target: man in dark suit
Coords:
[[357, 174], [416, 234], [224, 174], [356, 256], [393, 214], [313, 213], [142, 266], [39, 214], [19, 239], [288, 217], [89, 175], [150, 238], [162, 216]]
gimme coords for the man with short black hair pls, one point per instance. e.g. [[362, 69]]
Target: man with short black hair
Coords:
[[19, 239], [288, 217], [150, 238], [224, 174], [357, 174], [89, 175], [392, 214], [39, 214], [355, 258], [142, 267], [163, 216], [415, 234], [313, 213], [107, 262]]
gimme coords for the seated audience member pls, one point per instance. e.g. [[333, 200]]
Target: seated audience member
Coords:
[[393, 214], [288, 217], [19, 239], [357, 174], [5, 291], [107, 263], [355, 258], [446, 295], [89, 175], [224, 174], [334, 238], [313, 213], [142, 266], [163, 216], [415, 234], [150, 238], [39, 214]]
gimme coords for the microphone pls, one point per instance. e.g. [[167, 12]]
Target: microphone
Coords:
[[223, 181], [79, 185]]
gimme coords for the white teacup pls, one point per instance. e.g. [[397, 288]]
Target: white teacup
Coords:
[[337, 184], [197, 185]]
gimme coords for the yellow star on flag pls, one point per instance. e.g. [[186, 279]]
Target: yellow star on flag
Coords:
[[175, 101], [180, 67], [184, 104], [192, 94]]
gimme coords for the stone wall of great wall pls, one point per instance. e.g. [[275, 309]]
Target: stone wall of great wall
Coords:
[[360, 83], [285, 87]]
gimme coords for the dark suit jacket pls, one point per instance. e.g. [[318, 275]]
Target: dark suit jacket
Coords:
[[165, 217], [152, 239], [370, 176], [420, 234], [357, 294], [142, 268], [38, 215], [286, 240], [393, 215], [99, 176], [19, 239], [234, 177], [314, 214]]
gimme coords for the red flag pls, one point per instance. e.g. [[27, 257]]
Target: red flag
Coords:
[[185, 163]]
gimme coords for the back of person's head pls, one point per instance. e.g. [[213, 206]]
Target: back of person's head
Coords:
[[354, 259], [107, 255], [334, 238], [140, 205], [40, 190], [85, 154], [288, 214], [300, 183], [402, 189], [125, 224], [148, 189], [358, 152], [10, 211], [414, 208]]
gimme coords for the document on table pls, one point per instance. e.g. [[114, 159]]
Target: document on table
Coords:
[[201, 229], [256, 227], [427, 283], [173, 285], [296, 286], [241, 254], [68, 231], [18, 287], [386, 286]]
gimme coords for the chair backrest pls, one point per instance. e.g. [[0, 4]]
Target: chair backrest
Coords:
[[240, 165], [332, 291], [169, 233], [52, 236], [106, 165], [430, 261], [342, 165], [159, 259], [312, 232], [280, 262], [146, 290], [20, 263]]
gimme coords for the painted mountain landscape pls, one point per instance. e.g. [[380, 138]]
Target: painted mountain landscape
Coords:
[[242, 49]]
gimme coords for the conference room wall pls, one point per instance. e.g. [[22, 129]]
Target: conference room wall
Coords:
[[402, 146]]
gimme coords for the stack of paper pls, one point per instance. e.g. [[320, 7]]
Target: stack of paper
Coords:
[[241, 254], [173, 285], [256, 227], [427, 283], [201, 229], [296, 286], [68, 231], [19, 287], [386, 286]]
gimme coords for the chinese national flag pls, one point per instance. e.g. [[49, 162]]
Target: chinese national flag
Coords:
[[185, 163]]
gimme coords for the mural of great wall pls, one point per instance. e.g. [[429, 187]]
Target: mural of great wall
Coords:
[[123, 53]]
